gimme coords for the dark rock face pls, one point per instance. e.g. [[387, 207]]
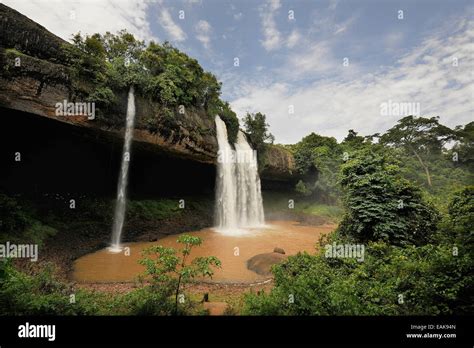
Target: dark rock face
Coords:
[[43, 79], [62, 158], [280, 164], [21, 33], [262, 263]]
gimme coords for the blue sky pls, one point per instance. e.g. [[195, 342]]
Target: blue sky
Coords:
[[297, 63]]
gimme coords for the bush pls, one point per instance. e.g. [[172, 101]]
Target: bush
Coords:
[[18, 224], [229, 118], [433, 279], [391, 280], [461, 215], [380, 205], [41, 293], [104, 99], [149, 301], [168, 272], [12, 216], [301, 188]]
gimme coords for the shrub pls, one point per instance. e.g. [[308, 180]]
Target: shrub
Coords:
[[432, 279], [301, 188], [12, 216], [380, 205], [17, 223], [391, 280], [169, 271], [229, 118], [41, 293]]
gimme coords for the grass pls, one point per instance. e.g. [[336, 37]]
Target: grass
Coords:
[[331, 211], [153, 209], [14, 52], [275, 202]]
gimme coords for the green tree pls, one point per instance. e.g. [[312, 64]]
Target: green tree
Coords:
[[256, 127], [317, 159], [353, 140], [169, 269], [160, 72], [420, 137], [380, 204], [86, 57], [465, 145]]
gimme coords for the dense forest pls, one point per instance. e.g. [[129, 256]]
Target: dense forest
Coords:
[[410, 200]]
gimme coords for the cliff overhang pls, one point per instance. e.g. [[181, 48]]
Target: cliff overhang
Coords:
[[35, 77]]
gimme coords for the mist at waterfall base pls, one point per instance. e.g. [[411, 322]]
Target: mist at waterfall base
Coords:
[[239, 204], [120, 205]]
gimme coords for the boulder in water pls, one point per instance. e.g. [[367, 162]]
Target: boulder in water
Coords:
[[279, 250], [262, 263]]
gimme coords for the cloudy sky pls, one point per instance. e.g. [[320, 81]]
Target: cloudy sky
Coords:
[[309, 65]]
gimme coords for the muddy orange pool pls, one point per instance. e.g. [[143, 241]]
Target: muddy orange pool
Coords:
[[233, 251]]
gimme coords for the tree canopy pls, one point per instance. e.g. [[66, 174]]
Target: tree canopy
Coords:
[[161, 72]]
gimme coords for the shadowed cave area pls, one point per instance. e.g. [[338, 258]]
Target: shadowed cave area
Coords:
[[61, 158]]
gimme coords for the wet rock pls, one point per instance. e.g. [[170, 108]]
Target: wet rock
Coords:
[[279, 166], [279, 250], [103, 245], [262, 263]]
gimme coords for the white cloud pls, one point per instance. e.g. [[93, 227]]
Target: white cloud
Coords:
[[173, 29], [65, 18], [331, 106], [312, 60], [271, 35], [274, 4], [293, 39], [204, 30], [333, 4], [326, 22], [273, 39]]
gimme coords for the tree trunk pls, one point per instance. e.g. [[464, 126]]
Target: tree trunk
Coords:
[[176, 296], [425, 167], [183, 263]]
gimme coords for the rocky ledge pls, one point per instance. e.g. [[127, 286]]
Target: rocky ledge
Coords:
[[34, 77]]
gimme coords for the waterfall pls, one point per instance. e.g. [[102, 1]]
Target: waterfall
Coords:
[[226, 193], [119, 215], [239, 201], [249, 194]]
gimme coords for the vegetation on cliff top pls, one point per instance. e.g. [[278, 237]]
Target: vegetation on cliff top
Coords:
[[159, 72], [259, 136]]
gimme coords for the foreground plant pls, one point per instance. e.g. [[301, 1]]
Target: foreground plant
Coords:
[[169, 270]]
